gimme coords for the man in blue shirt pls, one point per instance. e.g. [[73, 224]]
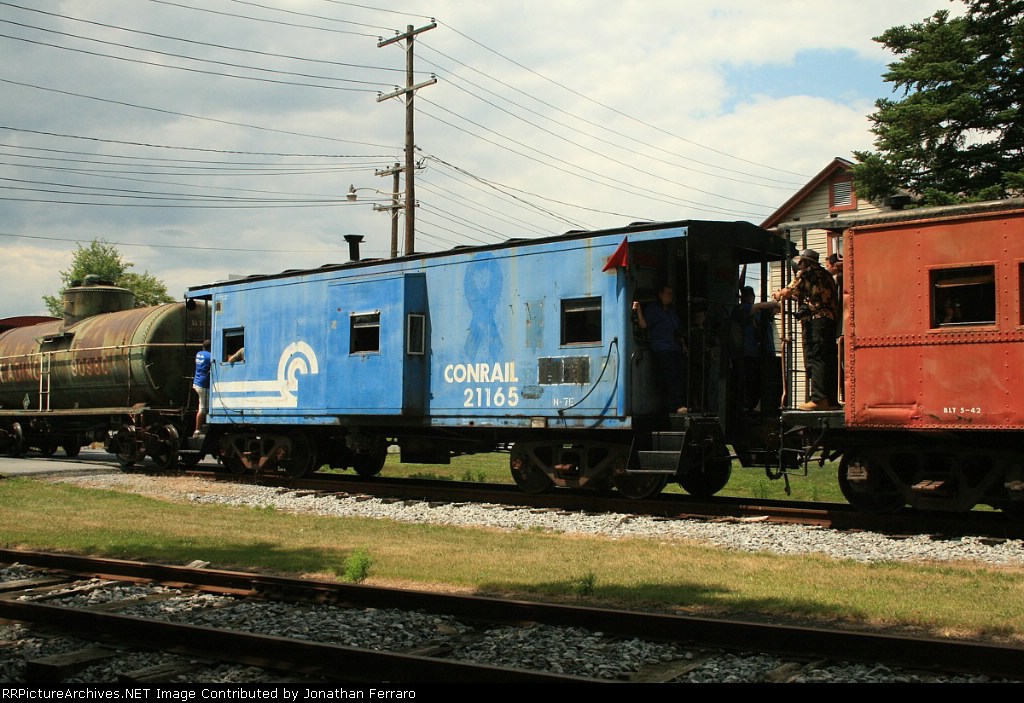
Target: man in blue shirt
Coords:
[[201, 383], [665, 333]]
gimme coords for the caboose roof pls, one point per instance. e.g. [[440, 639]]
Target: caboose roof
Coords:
[[747, 238]]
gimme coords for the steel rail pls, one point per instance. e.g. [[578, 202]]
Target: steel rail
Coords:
[[910, 652]]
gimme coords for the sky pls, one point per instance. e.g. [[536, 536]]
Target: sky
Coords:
[[212, 138]]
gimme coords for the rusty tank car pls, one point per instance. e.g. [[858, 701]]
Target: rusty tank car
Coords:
[[107, 372]]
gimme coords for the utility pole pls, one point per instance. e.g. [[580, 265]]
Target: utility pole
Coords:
[[395, 205], [410, 143]]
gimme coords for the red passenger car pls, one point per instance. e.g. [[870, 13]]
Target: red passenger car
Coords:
[[934, 347]]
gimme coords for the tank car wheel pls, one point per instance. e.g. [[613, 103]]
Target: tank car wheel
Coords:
[[71, 450], [527, 474], [876, 493], [126, 446], [303, 456], [709, 479], [191, 459], [16, 440], [165, 443]]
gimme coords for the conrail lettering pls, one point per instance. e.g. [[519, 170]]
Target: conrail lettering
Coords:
[[481, 373]]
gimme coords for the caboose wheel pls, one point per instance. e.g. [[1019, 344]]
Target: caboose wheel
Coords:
[[164, 445], [707, 480], [639, 486], [635, 486], [303, 456], [866, 484], [71, 450], [233, 464], [48, 447], [526, 473], [369, 464], [1013, 509]]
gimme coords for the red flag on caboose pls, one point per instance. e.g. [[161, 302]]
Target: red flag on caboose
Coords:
[[620, 258]]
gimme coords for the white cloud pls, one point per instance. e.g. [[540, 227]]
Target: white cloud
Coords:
[[663, 64]]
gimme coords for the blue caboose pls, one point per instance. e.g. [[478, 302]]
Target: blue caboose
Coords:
[[528, 345]]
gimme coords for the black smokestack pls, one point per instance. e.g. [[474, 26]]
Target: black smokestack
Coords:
[[353, 246]]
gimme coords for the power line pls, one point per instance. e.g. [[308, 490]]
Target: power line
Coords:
[[260, 19], [612, 109], [174, 246], [192, 148], [619, 185], [185, 114], [202, 43], [773, 183], [189, 58]]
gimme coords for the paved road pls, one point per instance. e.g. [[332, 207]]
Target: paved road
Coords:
[[32, 463]]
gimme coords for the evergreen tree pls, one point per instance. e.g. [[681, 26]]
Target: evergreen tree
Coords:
[[957, 133], [103, 259]]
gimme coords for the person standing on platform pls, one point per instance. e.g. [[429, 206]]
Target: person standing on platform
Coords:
[[665, 332]]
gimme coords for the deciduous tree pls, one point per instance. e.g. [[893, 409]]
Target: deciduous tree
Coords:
[[103, 259]]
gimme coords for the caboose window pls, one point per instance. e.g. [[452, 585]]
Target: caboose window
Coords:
[[416, 334], [234, 339], [364, 333], [581, 320], [963, 296]]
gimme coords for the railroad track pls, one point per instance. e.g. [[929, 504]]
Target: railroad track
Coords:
[[681, 645], [840, 516]]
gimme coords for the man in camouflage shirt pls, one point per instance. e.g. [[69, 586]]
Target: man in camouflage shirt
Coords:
[[815, 291]]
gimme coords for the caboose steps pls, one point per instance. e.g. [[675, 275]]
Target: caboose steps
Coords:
[[662, 456], [656, 462]]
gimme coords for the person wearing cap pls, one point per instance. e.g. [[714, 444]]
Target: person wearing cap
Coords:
[[814, 289]]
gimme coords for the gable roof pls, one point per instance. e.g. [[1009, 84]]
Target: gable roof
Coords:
[[837, 165]]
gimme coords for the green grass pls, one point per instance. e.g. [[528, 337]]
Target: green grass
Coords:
[[961, 599], [819, 485]]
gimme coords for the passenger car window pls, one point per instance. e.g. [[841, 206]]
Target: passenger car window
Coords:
[[963, 296]]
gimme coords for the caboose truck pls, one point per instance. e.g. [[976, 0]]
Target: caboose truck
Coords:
[[527, 344], [106, 372], [934, 347]]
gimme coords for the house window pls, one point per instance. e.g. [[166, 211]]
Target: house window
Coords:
[[841, 195], [233, 341], [581, 320], [835, 243], [364, 333], [963, 296]]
